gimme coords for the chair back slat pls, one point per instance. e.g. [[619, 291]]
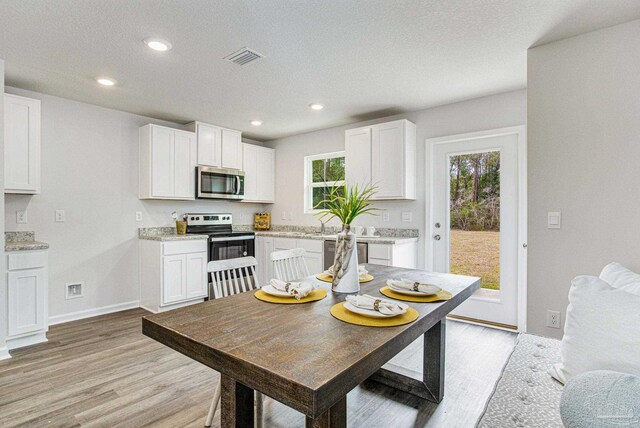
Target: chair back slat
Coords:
[[289, 265], [229, 277]]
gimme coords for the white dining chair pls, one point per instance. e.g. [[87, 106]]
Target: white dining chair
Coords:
[[289, 265], [229, 277]]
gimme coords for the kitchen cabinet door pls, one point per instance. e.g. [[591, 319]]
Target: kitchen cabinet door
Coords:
[[27, 301], [21, 145], [358, 156], [387, 159], [197, 281], [162, 162], [250, 168], [266, 175], [231, 149], [209, 145], [174, 277], [184, 165]]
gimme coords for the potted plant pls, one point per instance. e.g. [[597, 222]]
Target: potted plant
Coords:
[[346, 203]]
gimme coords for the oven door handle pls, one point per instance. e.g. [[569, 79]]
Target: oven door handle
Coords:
[[232, 238]]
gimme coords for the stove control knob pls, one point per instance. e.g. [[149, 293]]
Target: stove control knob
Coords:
[[197, 218], [192, 218]]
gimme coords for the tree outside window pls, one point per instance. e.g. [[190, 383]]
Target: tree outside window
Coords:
[[322, 173]]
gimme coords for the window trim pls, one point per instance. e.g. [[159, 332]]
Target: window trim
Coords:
[[309, 185]]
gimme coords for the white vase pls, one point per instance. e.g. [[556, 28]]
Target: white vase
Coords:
[[345, 264]]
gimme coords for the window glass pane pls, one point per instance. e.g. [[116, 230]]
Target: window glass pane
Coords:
[[317, 167], [322, 193], [335, 169]]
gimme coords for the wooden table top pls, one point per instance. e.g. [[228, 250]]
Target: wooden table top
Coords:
[[299, 354]]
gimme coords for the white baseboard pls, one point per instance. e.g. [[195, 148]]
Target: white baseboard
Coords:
[[4, 353], [74, 316], [28, 340]]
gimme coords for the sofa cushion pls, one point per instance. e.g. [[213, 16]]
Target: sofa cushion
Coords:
[[601, 330], [601, 399]]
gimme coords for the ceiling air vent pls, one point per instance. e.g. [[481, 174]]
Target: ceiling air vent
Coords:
[[244, 56]]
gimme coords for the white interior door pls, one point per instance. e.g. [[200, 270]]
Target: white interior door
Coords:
[[477, 223]]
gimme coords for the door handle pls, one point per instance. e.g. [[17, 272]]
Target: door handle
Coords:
[[237, 192], [436, 237]]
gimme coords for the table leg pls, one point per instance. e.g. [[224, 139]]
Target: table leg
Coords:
[[236, 404], [335, 417], [429, 385]]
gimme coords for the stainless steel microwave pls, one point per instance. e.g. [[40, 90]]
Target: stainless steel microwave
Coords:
[[219, 183]]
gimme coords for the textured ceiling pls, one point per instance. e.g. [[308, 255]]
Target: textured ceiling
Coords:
[[361, 58]]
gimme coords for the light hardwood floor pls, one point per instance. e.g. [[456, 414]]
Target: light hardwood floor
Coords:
[[103, 372]]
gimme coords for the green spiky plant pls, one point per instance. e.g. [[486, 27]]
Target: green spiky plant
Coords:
[[347, 203]]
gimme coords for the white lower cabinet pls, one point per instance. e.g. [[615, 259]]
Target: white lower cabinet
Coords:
[[399, 255], [172, 274], [264, 248], [27, 298]]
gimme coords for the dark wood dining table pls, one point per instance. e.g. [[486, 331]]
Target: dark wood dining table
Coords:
[[303, 357]]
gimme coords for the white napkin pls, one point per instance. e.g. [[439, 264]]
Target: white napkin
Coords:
[[384, 306], [406, 284], [296, 289], [362, 272]]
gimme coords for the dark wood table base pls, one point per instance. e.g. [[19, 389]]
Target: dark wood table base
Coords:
[[430, 384], [335, 417]]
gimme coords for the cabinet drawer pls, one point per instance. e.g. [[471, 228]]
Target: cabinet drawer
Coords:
[[184, 247], [284, 243], [27, 260], [311, 245], [379, 251]]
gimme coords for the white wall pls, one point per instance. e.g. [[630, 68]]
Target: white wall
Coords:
[[584, 150], [3, 276], [497, 111], [90, 170]]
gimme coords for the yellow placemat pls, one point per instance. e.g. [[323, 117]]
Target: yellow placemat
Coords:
[[338, 311], [438, 297], [317, 294], [328, 278]]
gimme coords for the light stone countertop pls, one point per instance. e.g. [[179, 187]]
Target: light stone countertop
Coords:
[[166, 234], [392, 240], [22, 241]]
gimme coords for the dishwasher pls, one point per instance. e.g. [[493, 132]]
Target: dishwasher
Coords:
[[330, 252]]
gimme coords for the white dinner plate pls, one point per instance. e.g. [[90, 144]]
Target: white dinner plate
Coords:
[[269, 289], [409, 292], [370, 312]]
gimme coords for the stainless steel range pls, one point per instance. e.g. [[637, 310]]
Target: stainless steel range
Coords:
[[224, 243]]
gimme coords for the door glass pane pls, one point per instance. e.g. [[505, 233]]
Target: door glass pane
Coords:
[[218, 184], [474, 205]]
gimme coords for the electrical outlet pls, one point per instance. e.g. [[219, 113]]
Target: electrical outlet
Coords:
[[407, 216], [385, 216], [138, 215], [553, 319], [284, 215], [61, 216], [74, 290], [21, 217]]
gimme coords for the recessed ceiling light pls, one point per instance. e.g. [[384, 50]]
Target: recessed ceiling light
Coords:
[[158, 44], [256, 122], [316, 106], [106, 81]]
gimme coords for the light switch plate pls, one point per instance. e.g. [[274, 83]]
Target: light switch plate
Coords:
[[61, 216], [21, 217], [554, 220], [407, 216]]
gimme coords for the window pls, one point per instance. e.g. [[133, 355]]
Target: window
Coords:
[[322, 173]]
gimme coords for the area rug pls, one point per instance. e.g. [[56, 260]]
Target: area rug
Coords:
[[526, 395]]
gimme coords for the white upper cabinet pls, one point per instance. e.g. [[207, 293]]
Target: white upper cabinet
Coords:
[[209, 144], [218, 147], [231, 149], [383, 155], [167, 163], [21, 145], [258, 164]]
